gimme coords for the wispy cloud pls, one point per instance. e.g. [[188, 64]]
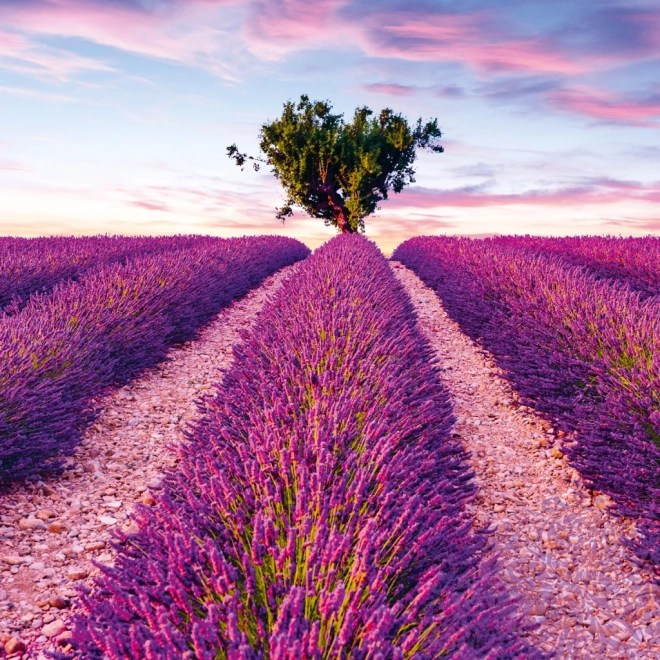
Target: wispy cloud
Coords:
[[514, 89], [471, 38], [601, 106], [450, 92], [390, 89], [478, 170], [151, 206], [594, 192], [20, 54], [645, 224], [38, 95], [274, 28], [397, 89], [614, 32], [193, 32]]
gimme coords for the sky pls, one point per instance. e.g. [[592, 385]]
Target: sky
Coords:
[[115, 115]]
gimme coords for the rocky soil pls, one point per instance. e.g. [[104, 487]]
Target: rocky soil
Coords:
[[558, 548], [52, 530]]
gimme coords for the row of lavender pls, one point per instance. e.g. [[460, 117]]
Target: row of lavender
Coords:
[[64, 349], [633, 261], [584, 351], [318, 508], [29, 265]]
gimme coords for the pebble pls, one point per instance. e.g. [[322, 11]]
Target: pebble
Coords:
[[53, 629], [64, 638], [14, 645], [51, 530], [30, 524], [12, 560], [558, 549], [147, 499], [58, 601], [77, 573]]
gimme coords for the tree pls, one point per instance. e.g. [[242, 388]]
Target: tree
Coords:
[[338, 171]]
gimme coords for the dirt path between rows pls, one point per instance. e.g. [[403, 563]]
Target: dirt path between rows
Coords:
[[559, 549], [50, 531]]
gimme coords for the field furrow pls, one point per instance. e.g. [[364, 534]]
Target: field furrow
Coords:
[[52, 531], [559, 549]]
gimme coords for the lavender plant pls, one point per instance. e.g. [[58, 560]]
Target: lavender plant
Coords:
[[63, 350], [632, 261], [318, 507], [30, 265], [586, 352]]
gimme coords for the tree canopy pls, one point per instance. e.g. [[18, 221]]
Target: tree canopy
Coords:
[[335, 170]]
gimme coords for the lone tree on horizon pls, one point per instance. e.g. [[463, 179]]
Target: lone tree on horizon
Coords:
[[339, 171]]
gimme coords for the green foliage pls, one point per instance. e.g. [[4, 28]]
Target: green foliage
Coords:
[[339, 171]]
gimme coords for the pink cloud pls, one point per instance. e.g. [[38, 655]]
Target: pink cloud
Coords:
[[215, 34], [470, 38], [151, 206], [200, 201], [648, 224], [390, 89], [415, 224], [474, 38], [284, 20], [193, 32], [22, 55], [473, 197], [274, 28], [602, 106], [418, 203]]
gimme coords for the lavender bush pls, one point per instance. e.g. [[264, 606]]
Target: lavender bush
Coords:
[[30, 265], [317, 510], [632, 261], [584, 351], [64, 349]]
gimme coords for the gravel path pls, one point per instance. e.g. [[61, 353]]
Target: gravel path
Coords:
[[52, 530], [558, 547]]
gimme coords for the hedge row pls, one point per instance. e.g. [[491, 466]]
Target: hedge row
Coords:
[[64, 349], [584, 351], [317, 510]]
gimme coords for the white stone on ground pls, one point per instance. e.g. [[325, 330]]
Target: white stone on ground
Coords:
[[50, 531], [558, 548]]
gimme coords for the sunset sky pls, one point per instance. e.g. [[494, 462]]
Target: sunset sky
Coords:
[[115, 115]]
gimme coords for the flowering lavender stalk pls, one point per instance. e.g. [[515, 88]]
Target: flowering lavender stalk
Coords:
[[317, 510], [584, 351], [64, 349]]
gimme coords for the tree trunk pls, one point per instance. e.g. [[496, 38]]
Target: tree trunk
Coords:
[[336, 204], [343, 224]]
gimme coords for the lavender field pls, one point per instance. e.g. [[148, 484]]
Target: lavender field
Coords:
[[235, 448]]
